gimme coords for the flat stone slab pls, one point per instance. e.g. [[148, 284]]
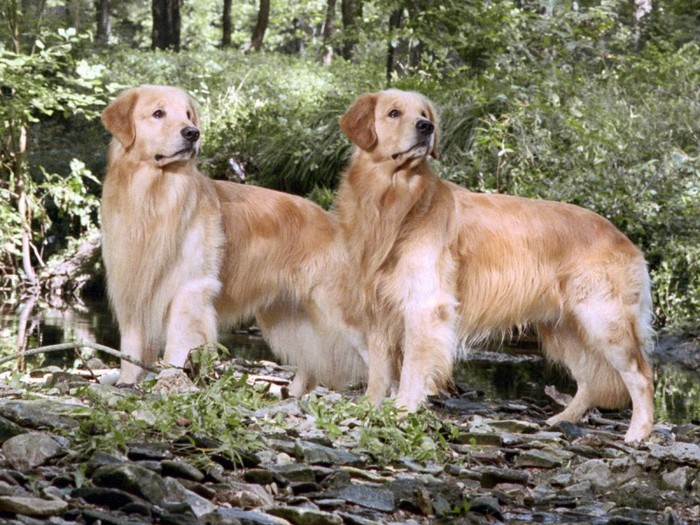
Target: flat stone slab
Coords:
[[32, 506]]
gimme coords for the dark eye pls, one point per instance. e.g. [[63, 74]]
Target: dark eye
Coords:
[[422, 114], [158, 113], [189, 116], [394, 113]]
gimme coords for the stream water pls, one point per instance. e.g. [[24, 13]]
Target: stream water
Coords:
[[511, 374]]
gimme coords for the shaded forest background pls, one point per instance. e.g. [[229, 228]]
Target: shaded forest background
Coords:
[[591, 102]]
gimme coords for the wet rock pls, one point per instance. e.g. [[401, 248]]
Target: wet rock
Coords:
[[112, 498], [492, 476], [570, 430], [596, 472], [224, 516], [177, 493], [32, 506], [39, 414], [428, 494], [301, 472], [243, 495], [181, 469], [9, 429], [640, 494], [155, 451], [480, 439], [370, 497], [304, 516], [132, 478], [537, 459], [27, 451], [315, 454], [99, 459], [486, 505], [513, 425], [106, 518], [354, 519]]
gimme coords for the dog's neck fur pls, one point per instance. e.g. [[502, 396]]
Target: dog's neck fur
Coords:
[[375, 206]]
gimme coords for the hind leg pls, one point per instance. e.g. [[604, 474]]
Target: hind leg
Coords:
[[610, 327], [563, 345]]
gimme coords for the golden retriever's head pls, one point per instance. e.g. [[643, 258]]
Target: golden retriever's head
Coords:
[[393, 124], [154, 124]]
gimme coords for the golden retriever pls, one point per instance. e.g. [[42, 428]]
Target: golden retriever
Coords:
[[436, 266], [185, 255]]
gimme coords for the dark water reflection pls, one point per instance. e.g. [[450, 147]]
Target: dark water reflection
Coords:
[[677, 397]]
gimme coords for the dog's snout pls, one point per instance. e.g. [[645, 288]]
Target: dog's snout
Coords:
[[425, 126], [190, 133]]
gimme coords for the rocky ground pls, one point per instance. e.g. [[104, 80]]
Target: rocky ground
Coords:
[[231, 449]]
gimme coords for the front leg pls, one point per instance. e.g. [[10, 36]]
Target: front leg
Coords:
[[380, 368], [132, 344], [192, 321]]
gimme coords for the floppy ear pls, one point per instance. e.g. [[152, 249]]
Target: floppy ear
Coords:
[[195, 112], [358, 122], [118, 117], [433, 117]]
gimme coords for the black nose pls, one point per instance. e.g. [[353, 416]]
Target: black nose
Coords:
[[190, 133], [425, 127]]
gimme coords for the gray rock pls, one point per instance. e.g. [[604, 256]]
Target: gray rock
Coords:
[[639, 494], [537, 459], [688, 453], [177, 493], [243, 495], [304, 516], [353, 519], [40, 414], [677, 479], [32, 506], [132, 478], [375, 498], [595, 471], [224, 516], [27, 451], [492, 476], [314, 454], [9, 429]]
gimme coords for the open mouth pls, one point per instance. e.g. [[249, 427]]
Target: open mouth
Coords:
[[419, 145], [179, 153]]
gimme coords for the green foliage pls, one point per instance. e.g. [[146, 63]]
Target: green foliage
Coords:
[[51, 79], [383, 432], [219, 410]]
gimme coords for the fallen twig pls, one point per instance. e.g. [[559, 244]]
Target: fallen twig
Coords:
[[82, 344]]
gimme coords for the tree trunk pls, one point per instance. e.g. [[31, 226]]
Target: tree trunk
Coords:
[[256, 39], [328, 33], [226, 24], [394, 23], [166, 24], [104, 21], [351, 10]]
